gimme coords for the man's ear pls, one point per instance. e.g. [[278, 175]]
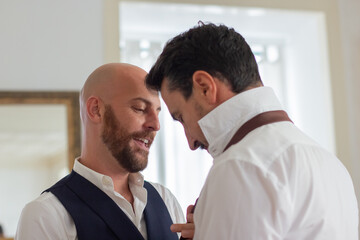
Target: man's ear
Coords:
[[93, 109], [204, 85]]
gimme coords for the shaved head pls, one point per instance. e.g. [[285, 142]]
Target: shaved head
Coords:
[[106, 81], [119, 117]]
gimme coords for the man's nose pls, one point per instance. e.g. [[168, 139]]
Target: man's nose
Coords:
[[191, 140], [152, 121]]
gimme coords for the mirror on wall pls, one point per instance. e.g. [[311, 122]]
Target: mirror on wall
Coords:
[[39, 140]]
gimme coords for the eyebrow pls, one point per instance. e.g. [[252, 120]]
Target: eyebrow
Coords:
[[147, 102]]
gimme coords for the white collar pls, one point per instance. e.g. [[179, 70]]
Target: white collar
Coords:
[[100, 180], [221, 123]]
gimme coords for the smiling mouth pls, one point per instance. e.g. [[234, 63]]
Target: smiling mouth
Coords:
[[143, 142]]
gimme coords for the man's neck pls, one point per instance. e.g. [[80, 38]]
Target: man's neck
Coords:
[[119, 176]]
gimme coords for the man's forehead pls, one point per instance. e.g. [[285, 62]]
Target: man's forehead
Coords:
[[166, 93], [164, 85], [173, 101], [145, 96], [154, 100]]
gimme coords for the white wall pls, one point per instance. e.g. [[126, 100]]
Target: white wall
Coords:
[[350, 35], [49, 45], [44, 45], [15, 192]]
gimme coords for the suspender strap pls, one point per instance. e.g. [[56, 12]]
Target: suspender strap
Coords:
[[255, 122], [258, 121]]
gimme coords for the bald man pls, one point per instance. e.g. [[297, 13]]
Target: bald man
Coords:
[[105, 196]]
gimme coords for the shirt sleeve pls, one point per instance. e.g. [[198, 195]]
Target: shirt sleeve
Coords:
[[240, 200], [44, 218]]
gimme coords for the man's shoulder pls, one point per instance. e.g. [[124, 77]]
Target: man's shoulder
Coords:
[[45, 216], [46, 202], [44, 207]]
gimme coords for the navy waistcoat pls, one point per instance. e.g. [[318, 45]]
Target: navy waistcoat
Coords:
[[96, 215]]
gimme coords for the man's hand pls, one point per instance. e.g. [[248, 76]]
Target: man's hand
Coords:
[[187, 229]]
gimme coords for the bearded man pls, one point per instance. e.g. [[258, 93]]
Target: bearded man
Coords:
[[105, 196]]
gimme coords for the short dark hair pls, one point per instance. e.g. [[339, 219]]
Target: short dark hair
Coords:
[[218, 50]]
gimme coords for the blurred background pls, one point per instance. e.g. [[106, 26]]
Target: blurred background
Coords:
[[308, 51]]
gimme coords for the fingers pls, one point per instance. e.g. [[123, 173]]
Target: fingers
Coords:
[[190, 218], [187, 229], [190, 214], [176, 227], [182, 227], [190, 209], [188, 234]]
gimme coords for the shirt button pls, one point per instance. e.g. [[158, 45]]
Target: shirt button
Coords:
[[106, 181]]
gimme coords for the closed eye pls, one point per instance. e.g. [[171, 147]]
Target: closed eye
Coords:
[[178, 119], [138, 109]]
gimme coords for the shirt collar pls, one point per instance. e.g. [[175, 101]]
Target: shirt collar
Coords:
[[221, 123], [102, 181]]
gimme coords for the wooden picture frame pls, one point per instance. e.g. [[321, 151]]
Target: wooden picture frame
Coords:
[[69, 99]]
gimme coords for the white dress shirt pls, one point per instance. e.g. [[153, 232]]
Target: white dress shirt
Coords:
[[276, 183], [46, 217]]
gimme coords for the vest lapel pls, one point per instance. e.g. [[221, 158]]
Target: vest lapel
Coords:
[[104, 207], [157, 217]]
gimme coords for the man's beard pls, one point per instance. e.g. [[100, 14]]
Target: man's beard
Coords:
[[117, 140]]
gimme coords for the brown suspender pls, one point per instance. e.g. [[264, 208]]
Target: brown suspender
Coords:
[[255, 122], [258, 121]]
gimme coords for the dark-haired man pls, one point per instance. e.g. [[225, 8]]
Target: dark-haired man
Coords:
[[105, 196], [268, 180]]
